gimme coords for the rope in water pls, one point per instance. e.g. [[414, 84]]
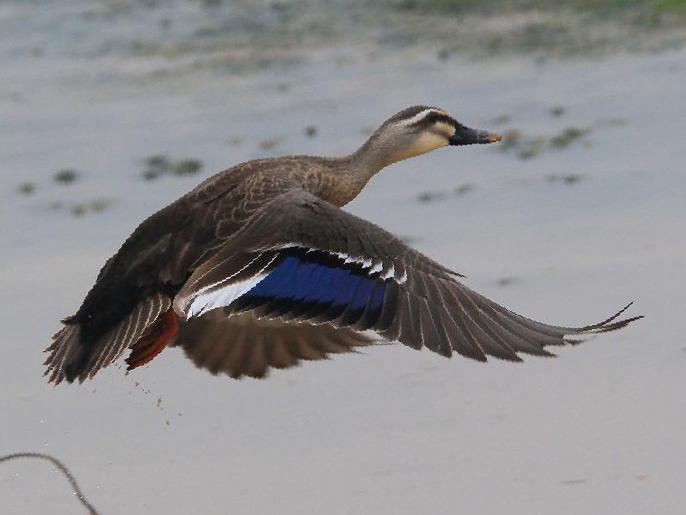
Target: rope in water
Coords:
[[62, 468]]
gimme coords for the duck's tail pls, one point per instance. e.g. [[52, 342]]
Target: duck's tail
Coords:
[[146, 329]]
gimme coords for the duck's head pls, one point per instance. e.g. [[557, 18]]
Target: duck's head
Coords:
[[417, 130]]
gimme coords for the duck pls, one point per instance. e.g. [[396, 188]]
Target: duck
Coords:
[[260, 268]]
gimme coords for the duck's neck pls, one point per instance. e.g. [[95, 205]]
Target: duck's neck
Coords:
[[373, 156], [349, 175], [352, 173], [342, 180]]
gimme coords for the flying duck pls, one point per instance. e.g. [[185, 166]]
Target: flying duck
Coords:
[[259, 267]]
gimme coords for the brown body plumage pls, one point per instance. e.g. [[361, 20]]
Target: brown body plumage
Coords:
[[238, 225]]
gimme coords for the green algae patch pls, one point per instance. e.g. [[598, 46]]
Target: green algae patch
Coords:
[[159, 165], [187, 167], [94, 206], [26, 188], [66, 176]]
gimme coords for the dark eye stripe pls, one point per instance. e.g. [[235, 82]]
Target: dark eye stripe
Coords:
[[441, 118]]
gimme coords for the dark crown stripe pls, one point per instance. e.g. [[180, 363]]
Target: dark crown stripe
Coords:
[[432, 118]]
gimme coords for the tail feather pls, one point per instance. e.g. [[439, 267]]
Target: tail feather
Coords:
[[71, 358], [65, 344]]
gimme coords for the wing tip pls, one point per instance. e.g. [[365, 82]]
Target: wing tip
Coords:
[[611, 323]]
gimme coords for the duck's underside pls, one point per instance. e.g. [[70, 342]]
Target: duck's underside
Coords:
[[302, 280]]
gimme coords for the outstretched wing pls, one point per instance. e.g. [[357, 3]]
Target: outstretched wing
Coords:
[[301, 260]]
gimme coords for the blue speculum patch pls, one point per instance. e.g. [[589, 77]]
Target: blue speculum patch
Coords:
[[319, 279]]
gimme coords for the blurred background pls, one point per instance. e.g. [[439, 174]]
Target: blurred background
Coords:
[[110, 109]]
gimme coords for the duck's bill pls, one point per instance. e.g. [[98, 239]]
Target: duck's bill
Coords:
[[466, 136]]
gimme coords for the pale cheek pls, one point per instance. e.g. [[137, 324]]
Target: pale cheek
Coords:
[[419, 145], [425, 143]]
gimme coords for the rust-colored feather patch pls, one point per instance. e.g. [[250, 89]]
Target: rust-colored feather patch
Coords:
[[154, 341]]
